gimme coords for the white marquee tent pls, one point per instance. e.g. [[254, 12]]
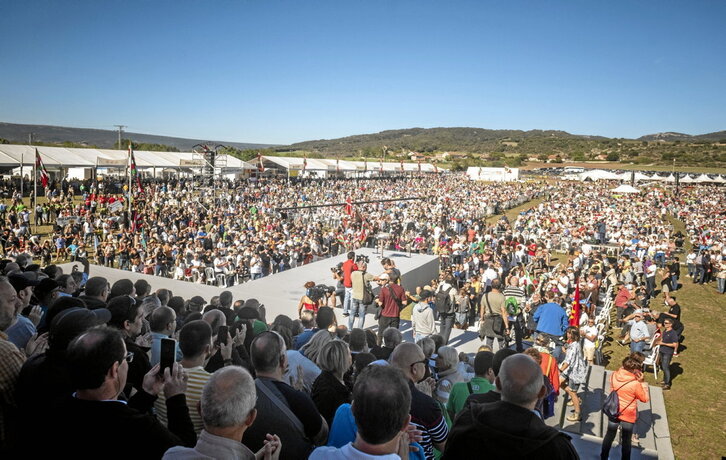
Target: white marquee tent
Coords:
[[492, 174], [625, 188]]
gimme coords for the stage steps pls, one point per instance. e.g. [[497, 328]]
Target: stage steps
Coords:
[[651, 427]]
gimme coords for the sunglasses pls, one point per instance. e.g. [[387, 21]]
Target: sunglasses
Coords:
[[129, 356]]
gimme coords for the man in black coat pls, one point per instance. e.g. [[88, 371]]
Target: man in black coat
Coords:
[[510, 428], [94, 423]]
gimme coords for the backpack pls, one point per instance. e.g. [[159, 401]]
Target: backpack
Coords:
[[367, 293], [611, 405], [512, 306], [443, 302]]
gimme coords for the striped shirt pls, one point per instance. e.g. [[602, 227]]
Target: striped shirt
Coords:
[[197, 378], [427, 416], [11, 360]]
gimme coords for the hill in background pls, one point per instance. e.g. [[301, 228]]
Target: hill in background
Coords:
[[461, 147], [479, 147], [101, 138]]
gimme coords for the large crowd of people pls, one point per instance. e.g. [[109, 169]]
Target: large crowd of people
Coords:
[[86, 363]]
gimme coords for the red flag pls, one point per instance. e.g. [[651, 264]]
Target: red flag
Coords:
[[40, 167], [576, 307], [349, 206], [260, 166]]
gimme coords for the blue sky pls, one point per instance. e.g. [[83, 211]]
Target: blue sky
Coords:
[[286, 71]]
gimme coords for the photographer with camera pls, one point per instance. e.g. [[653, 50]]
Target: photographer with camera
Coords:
[[348, 267], [362, 293]]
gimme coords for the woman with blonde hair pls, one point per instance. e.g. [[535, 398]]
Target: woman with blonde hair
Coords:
[[329, 390]]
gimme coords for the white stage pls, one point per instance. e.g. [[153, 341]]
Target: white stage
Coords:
[[281, 292]]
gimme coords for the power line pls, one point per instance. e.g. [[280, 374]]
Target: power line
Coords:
[[120, 128]]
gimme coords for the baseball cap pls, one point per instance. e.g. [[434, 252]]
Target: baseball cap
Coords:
[[197, 300], [22, 280], [74, 321]]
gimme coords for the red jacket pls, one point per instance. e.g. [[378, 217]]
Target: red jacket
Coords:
[[348, 267]]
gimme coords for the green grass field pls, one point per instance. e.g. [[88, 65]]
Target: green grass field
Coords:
[[695, 404]]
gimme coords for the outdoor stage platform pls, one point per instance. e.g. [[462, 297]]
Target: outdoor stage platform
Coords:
[[281, 292]]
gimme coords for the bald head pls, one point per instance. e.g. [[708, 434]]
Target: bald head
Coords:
[[404, 355], [215, 318], [520, 380]]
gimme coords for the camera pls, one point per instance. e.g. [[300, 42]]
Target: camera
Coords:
[[362, 258]]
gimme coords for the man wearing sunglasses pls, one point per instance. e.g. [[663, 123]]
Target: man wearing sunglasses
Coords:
[[425, 412], [127, 316], [93, 421]]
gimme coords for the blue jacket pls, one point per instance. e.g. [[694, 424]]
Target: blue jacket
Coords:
[[551, 319]]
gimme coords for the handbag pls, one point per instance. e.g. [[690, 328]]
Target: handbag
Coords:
[[367, 293], [497, 322]]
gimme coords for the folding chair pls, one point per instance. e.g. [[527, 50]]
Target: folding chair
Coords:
[[652, 360]]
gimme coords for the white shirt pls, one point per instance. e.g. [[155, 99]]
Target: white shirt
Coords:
[[347, 452], [589, 330], [639, 330]]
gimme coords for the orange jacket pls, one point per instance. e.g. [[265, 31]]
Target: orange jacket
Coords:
[[630, 391]]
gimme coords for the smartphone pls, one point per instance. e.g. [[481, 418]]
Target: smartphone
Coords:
[[167, 355], [222, 335]]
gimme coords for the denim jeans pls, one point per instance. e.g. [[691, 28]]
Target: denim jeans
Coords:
[[700, 274], [721, 285], [626, 438], [674, 282], [665, 364], [447, 322], [358, 309], [637, 346], [347, 300]]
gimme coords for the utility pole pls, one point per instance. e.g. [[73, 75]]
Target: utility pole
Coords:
[[120, 128]]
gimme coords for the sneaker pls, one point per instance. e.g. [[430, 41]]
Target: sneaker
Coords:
[[574, 417], [346, 314], [666, 387]]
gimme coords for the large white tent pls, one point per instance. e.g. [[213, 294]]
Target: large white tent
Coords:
[[322, 167], [625, 188], [492, 174], [598, 174]]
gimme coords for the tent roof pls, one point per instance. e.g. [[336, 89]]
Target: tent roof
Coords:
[[625, 188], [598, 174]]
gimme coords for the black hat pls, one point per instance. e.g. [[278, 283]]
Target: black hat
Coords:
[[22, 280], [74, 321]]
